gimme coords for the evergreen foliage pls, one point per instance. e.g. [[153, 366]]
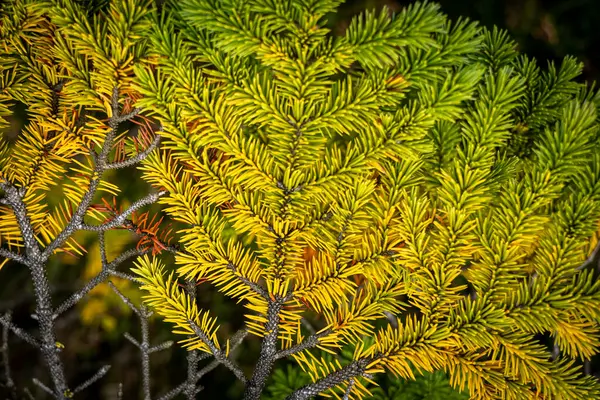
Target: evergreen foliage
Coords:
[[414, 167], [413, 197]]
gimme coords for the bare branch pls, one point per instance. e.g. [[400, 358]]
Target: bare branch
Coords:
[[28, 393], [14, 198], [43, 387], [219, 354], [7, 323], [145, 350], [120, 219], [235, 341], [5, 357], [126, 117], [13, 256], [136, 159], [352, 370], [189, 385], [308, 325], [123, 275], [308, 343], [159, 347], [124, 298], [348, 389], [392, 318], [131, 339], [107, 269], [98, 375]]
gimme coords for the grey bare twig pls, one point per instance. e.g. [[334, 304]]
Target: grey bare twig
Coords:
[[308, 343], [107, 269], [144, 346], [355, 369], [191, 382], [20, 333], [98, 375], [136, 159], [5, 357], [13, 256], [219, 354]]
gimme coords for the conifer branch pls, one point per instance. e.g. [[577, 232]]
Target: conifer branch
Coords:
[[76, 221], [354, 369], [121, 218], [218, 354], [309, 342], [268, 352], [107, 270], [137, 158], [13, 256]]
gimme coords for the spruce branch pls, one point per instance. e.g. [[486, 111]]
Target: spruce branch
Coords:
[[36, 258], [354, 369], [121, 218], [268, 352], [137, 158], [76, 221], [310, 342]]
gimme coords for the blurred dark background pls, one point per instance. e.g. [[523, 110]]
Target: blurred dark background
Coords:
[[545, 29], [93, 331]]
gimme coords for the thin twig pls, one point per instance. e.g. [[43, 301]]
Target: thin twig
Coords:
[[43, 387], [144, 314], [120, 219], [107, 269], [13, 256], [219, 354], [136, 159], [189, 386], [145, 349], [235, 341], [5, 356], [308, 343], [98, 375], [124, 298], [20, 333]]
